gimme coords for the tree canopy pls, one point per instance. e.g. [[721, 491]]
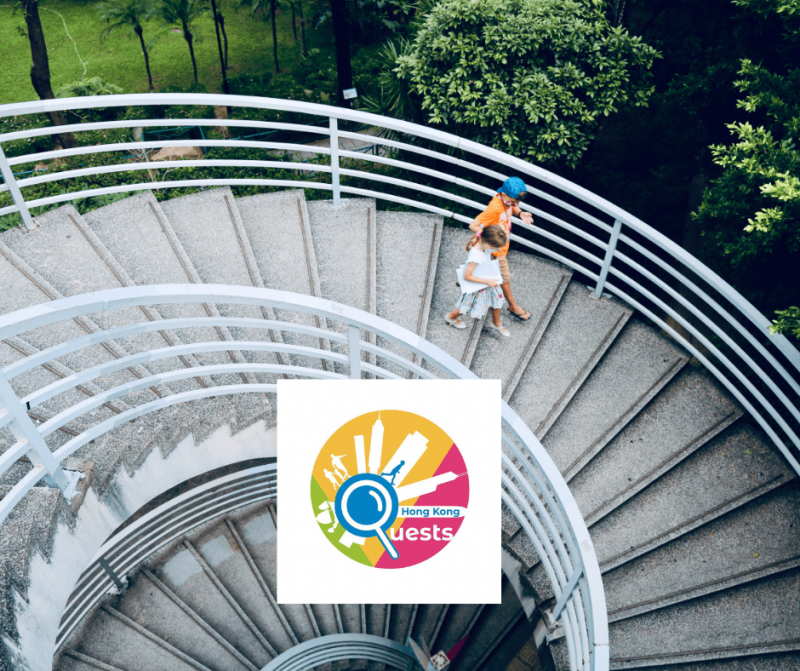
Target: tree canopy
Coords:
[[751, 212], [532, 77]]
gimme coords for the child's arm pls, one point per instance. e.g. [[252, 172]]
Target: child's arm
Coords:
[[527, 217], [469, 277]]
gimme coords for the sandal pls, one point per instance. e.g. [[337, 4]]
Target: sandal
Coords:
[[455, 323], [519, 316], [502, 330]]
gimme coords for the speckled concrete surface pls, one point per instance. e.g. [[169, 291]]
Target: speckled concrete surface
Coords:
[[122, 646], [408, 250], [23, 286], [211, 232], [724, 474], [789, 661], [459, 344], [345, 232], [148, 605], [220, 549], [135, 230], [63, 234], [687, 413], [578, 335], [634, 369], [758, 539], [538, 286], [746, 618], [280, 236]]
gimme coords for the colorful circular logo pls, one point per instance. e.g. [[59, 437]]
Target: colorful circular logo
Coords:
[[389, 489]]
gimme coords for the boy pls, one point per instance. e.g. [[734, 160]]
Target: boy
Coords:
[[498, 213]]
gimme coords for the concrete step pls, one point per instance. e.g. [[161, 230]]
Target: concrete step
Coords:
[[259, 536], [459, 344], [279, 233], [735, 467], [408, 251], [634, 369], [137, 234], [75, 661], [686, 414], [495, 623], [346, 232], [123, 643], [757, 618], [24, 286], [402, 621], [211, 232], [84, 265], [185, 576], [538, 286], [578, 335], [226, 559], [152, 605], [757, 540], [788, 661], [15, 349]]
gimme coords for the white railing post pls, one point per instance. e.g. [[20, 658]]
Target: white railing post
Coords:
[[354, 344], [24, 430], [16, 194], [334, 135], [612, 246]]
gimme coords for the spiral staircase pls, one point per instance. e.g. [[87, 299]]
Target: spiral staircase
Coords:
[[692, 510]]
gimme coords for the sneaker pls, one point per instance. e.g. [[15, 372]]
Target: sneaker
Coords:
[[502, 330], [455, 323]]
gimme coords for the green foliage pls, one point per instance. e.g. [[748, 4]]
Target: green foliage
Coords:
[[125, 16], [531, 77], [93, 86], [760, 181], [788, 321]]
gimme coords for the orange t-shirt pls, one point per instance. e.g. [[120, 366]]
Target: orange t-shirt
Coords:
[[497, 214]]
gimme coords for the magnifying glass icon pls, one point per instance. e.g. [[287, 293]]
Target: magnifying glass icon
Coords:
[[366, 506]]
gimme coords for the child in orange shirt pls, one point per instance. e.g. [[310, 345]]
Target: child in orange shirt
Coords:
[[498, 213]]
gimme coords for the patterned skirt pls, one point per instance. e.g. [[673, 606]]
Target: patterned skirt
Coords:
[[477, 303]]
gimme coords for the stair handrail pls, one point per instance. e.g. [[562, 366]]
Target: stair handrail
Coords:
[[564, 543], [672, 305]]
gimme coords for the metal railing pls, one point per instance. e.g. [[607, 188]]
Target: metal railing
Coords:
[[611, 248], [127, 549], [335, 647], [533, 488]]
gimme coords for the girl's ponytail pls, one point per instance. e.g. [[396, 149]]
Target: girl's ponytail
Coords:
[[472, 241]]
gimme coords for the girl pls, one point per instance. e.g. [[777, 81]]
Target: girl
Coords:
[[476, 304]]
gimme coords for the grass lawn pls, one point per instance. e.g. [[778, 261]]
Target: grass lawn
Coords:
[[118, 59]]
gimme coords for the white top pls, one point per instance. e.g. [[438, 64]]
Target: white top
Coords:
[[485, 268], [476, 255]]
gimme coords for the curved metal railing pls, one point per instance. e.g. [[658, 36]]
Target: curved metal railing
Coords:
[[532, 485], [336, 647], [127, 549], [609, 247]]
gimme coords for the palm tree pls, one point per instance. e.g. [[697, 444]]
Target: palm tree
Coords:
[[128, 16], [183, 14]]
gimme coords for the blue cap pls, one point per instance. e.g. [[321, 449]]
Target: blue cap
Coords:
[[514, 187]]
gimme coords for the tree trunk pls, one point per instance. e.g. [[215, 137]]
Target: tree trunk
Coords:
[[40, 70], [221, 20], [294, 22], [275, 37], [342, 38], [139, 32], [225, 88], [302, 28], [188, 37]]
